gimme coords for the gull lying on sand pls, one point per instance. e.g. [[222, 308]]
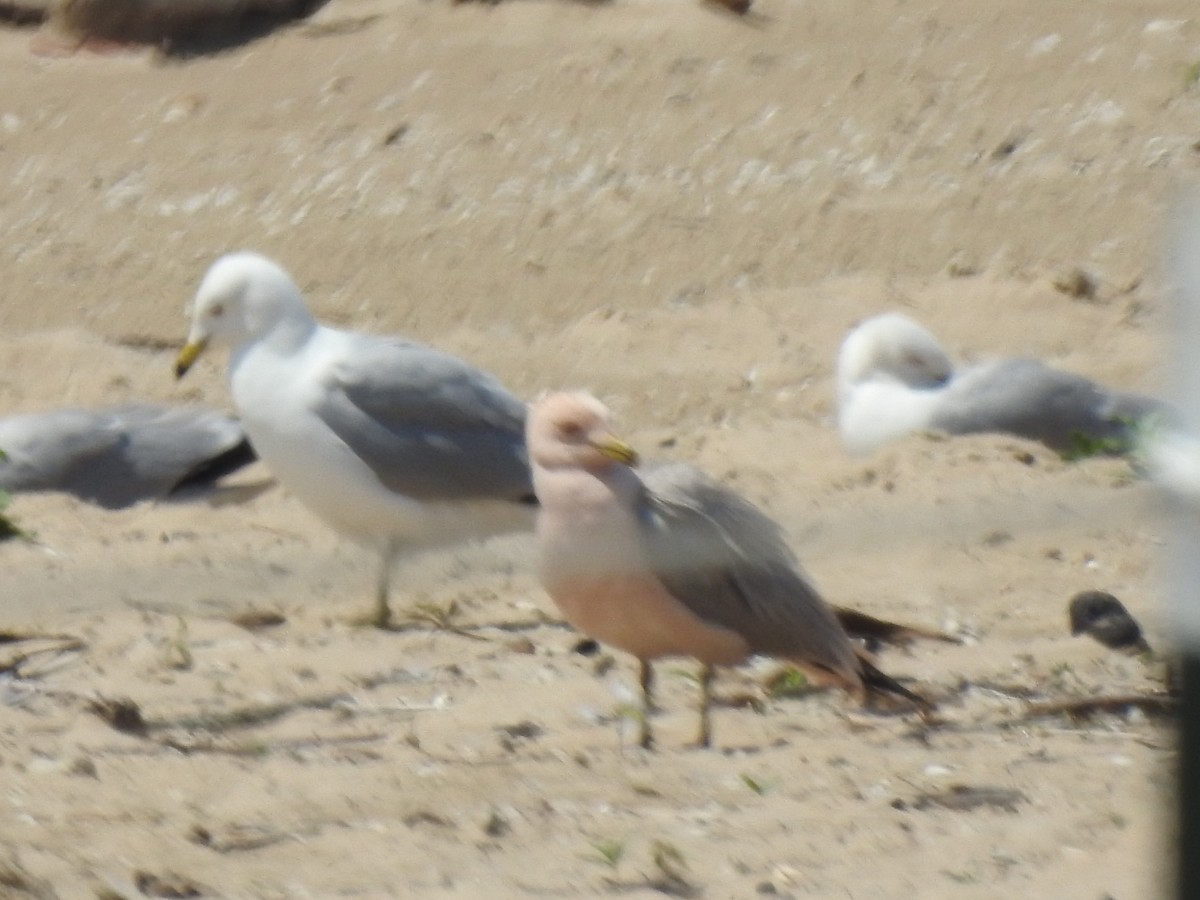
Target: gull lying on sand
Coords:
[[671, 562], [894, 379], [122, 455], [391, 442]]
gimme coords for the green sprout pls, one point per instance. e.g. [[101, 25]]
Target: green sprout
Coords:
[[791, 682], [1191, 75], [8, 526], [759, 786], [609, 852], [669, 861], [1084, 446]]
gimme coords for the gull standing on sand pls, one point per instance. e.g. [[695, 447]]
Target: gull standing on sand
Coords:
[[895, 379], [671, 562], [395, 444], [118, 456]]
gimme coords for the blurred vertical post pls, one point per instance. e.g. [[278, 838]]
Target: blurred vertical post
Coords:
[[1184, 564]]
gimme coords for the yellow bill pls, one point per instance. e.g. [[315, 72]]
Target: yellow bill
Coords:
[[616, 449], [188, 355]]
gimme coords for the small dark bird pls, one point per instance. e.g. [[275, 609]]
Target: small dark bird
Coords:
[[1106, 619]]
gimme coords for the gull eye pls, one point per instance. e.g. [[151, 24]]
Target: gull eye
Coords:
[[216, 310], [570, 430]]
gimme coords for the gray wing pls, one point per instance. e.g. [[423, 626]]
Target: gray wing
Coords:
[[171, 448], [113, 457], [1064, 411], [428, 424], [729, 564], [41, 449]]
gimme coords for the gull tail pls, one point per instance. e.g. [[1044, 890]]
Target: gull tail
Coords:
[[878, 684], [882, 631]]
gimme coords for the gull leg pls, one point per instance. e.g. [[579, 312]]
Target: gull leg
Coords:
[[646, 679], [382, 615], [707, 673]]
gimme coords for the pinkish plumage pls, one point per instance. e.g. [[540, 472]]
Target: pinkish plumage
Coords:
[[670, 562]]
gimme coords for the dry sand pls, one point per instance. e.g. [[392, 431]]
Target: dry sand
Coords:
[[681, 211]]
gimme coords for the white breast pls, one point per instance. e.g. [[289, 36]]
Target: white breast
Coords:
[[276, 397], [874, 413]]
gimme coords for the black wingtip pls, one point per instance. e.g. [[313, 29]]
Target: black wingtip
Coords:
[[876, 682], [877, 631], [215, 468]]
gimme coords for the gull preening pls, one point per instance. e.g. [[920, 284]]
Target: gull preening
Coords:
[[117, 456], [394, 444], [894, 378], [672, 562]]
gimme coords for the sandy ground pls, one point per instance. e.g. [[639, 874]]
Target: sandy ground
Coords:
[[683, 212]]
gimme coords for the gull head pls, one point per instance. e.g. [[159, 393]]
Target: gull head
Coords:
[[572, 430], [892, 348], [242, 298]]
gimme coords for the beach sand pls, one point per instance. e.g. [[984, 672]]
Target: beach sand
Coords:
[[681, 211]]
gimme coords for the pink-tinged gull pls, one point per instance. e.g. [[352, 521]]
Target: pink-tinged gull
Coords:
[[671, 562]]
